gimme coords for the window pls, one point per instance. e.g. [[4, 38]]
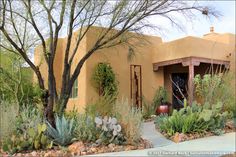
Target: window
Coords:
[[74, 92]]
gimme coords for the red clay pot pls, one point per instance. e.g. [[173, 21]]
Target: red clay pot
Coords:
[[162, 109]]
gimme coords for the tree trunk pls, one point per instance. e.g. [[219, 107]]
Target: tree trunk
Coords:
[[48, 112], [48, 108], [63, 102]]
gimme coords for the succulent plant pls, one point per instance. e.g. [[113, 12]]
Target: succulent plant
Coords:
[[85, 129], [63, 134], [110, 130], [38, 138], [31, 139]]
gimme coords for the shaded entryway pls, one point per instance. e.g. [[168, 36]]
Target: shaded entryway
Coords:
[[179, 89], [175, 71]]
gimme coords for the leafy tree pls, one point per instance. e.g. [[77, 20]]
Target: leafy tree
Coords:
[[16, 80], [49, 19]]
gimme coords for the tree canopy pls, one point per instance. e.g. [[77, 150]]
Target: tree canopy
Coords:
[[26, 23]]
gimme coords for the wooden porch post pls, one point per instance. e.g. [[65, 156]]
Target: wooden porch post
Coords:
[[190, 83]]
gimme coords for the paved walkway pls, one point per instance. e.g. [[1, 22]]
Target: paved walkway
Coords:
[[213, 146], [157, 139]]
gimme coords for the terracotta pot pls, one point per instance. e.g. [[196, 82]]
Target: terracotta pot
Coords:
[[164, 108]]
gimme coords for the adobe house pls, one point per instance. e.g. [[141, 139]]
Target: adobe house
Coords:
[[153, 65]]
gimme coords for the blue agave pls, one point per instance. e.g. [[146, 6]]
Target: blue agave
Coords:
[[63, 134]]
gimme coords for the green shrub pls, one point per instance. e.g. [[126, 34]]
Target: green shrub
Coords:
[[214, 116], [104, 79], [195, 119], [71, 114], [31, 139], [130, 119], [8, 117], [216, 88], [103, 107], [160, 96], [148, 109], [29, 117], [29, 131], [160, 119], [85, 129], [63, 134]]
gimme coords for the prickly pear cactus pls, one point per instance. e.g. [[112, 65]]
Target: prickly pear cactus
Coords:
[[110, 130]]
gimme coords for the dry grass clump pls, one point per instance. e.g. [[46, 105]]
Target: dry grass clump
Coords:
[[130, 119], [8, 115]]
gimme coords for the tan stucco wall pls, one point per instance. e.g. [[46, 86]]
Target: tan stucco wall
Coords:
[[117, 57], [78, 102], [41, 63], [191, 46]]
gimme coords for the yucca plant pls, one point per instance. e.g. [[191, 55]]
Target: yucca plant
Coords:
[[63, 134]]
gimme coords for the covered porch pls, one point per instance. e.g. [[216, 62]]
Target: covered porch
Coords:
[[183, 70]]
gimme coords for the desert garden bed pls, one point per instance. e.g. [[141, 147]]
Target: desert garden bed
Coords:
[[181, 137], [80, 148], [195, 122], [212, 113], [75, 134]]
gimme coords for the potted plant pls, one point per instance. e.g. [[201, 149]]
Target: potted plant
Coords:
[[160, 101]]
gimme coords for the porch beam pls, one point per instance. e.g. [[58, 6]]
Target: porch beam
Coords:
[[186, 61]]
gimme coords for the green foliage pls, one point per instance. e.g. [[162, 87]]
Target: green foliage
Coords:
[[160, 119], [160, 96], [8, 117], [130, 119], [104, 79], [30, 117], [37, 137], [16, 81], [17, 120], [28, 133], [63, 134], [33, 138], [71, 114], [85, 129], [215, 118], [110, 131], [215, 88], [148, 109], [198, 119], [103, 107], [15, 144]]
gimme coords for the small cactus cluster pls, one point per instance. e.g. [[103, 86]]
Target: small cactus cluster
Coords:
[[31, 139], [110, 131]]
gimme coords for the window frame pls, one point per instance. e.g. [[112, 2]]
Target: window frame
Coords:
[[74, 91]]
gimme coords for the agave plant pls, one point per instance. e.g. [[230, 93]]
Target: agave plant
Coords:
[[63, 134]]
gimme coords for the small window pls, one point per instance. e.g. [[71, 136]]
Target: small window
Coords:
[[74, 92]]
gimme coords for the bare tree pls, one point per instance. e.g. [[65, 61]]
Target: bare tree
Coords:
[[118, 17]]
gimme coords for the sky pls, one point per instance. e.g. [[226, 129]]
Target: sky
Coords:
[[201, 25]]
